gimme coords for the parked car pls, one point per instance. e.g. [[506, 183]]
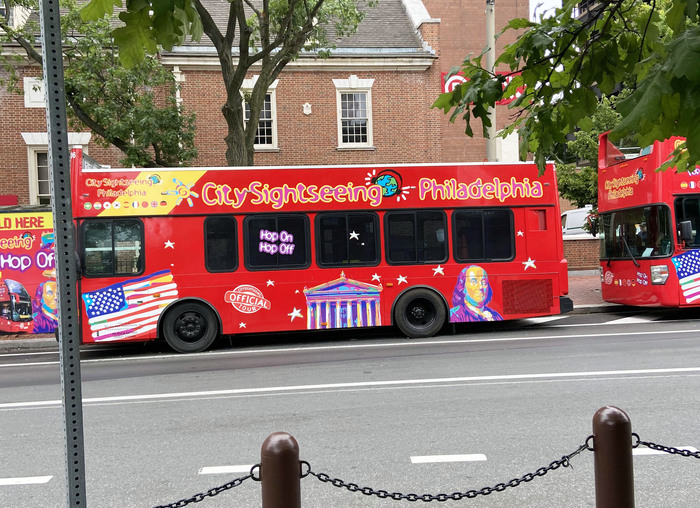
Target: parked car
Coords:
[[572, 221]]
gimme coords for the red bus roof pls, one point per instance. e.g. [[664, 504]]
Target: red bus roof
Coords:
[[626, 181]]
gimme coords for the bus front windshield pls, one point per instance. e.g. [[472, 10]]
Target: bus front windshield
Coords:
[[642, 232]]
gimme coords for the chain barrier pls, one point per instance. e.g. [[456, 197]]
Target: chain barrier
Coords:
[[456, 496], [662, 448], [212, 492]]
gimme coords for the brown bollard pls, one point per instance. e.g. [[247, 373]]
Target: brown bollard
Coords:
[[612, 457], [280, 472]]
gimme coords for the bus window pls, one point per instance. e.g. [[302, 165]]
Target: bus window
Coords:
[[347, 239], [416, 237], [636, 233], [277, 242], [483, 235], [221, 246], [688, 208], [112, 247]]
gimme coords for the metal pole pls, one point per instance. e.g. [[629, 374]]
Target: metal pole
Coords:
[[280, 472], [490, 66], [612, 457], [64, 245]]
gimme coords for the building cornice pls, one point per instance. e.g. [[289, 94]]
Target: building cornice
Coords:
[[194, 62]]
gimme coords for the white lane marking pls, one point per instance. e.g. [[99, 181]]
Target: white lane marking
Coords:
[[226, 469], [543, 319], [640, 318], [306, 349], [649, 451], [468, 457], [360, 384], [28, 480]]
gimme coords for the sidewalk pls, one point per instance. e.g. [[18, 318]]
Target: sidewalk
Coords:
[[584, 291]]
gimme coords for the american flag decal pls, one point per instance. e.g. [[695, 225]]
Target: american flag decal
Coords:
[[688, 270], [129, 309]]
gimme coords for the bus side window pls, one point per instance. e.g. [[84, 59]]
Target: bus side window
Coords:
[[347, 239], [221, 244], [462, 247], [275, 242], [416, 237], [112, 247]]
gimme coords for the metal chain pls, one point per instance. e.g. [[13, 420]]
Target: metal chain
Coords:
[[211, 492], [662, 448], [456, 496]]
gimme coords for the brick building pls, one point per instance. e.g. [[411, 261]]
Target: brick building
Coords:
[[394, 64]]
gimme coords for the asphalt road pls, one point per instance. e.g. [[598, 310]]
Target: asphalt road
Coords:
[[450, 414]]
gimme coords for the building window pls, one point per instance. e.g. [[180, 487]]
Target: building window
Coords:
[[38, 163], [354, 111], [43, 180], [266, 133]]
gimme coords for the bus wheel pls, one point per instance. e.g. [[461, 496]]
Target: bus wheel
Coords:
[[190, 328], [420, 313]]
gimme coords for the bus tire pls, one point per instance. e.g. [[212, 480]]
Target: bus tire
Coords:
[[420, 313], [190, 327]]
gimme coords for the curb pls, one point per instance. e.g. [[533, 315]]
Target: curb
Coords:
[[596, 308]]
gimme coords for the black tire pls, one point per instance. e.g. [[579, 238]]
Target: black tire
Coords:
[[190, 327], [420, 313]]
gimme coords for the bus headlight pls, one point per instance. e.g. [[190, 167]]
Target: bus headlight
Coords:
[[659, 274]]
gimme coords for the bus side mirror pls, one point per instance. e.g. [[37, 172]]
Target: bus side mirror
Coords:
[[78, 265], [686, 230], [594, 226]]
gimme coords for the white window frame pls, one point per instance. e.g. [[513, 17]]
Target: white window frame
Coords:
[[354, 85], [34, 96], [38, 142], [247, 88], [15, 16]]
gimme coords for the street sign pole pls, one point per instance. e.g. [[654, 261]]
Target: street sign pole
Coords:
[[59, 168]]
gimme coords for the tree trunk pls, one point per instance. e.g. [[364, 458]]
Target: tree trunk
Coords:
[[237, 153]]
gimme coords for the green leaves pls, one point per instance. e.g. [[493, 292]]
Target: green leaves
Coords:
[[134, 36], [147, 25], [684, 55], [96, 9], [566, 62]]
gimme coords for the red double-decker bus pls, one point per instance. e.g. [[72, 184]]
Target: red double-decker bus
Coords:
[[648, 224], [187, 254], [15, 307]]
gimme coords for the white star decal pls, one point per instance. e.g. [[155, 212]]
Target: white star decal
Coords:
[[402, 278], [377, 277], [169, 245], [354, 236], [296, 292], [241, 325], [437, 270], [520, 233], [530, 263], [294, 314], [270, 283]]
